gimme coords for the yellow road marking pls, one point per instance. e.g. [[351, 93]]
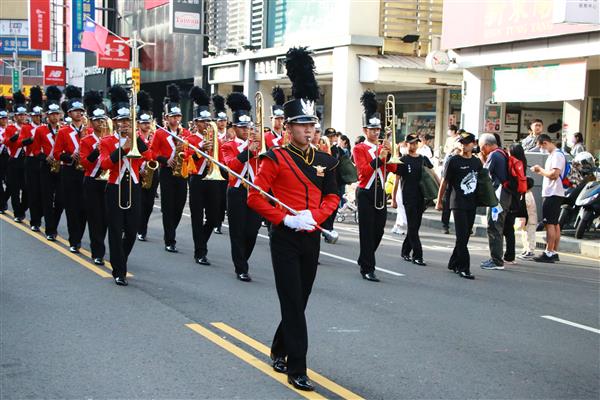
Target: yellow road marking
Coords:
[[250, 359], [58, 248], [64, 241], [318, 378]]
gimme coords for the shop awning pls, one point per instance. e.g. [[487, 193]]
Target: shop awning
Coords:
[[409, 71]]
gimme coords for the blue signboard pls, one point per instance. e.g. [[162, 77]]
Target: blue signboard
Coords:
[[7, 46], [80, 10]]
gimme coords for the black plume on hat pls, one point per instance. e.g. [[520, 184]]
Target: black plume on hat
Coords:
[[238, 101], [119, 99], [53, 94], [301, 70], [92, 100], [369, 102], [199, 96], [278, 96], [2, 103], [65, 106], [36, 97], [18, 98], [173, 94], [144, 101], [73, 92], [219, 103]]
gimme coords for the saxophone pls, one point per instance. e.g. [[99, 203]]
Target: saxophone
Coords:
[[147, 174], [54, 166], [179, 160]]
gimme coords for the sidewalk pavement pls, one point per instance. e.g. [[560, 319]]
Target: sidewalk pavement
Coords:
[[584, 247]]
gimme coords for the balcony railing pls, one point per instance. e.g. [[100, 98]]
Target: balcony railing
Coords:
[[403, 20]]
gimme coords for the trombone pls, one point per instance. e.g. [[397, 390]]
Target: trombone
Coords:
[[134, 152], [260, 124], [390, 125], [330, 235]]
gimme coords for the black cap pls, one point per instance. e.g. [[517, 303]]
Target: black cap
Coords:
[[172, 106], [300, 68], [144, 102], [53, 95], [36, 100], [240, 108], [94, 105], [120, 107], [371, 118], [466, 138], [19, 105], [412, 138], [74, 101], [330, 132]]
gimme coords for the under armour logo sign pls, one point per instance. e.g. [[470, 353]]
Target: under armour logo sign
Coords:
[[119, 49]]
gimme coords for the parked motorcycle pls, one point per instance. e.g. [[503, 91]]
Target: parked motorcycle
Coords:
[[589, 201], [583, 171]]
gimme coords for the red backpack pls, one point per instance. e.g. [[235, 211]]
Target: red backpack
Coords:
[[517, 179]]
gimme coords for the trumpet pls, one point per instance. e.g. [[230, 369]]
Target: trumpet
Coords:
[[390, 126], [214, 173]]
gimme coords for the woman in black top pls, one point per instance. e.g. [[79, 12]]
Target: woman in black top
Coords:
[[461, 175], [412, 167]]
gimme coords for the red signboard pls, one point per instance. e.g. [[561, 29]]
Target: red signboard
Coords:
[[39, 24], [116, 55], [54, 75], [148, 4], [501, 21]]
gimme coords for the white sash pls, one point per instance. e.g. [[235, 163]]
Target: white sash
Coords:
[[97, 165], [372, 150], [242, 145], [125, 165]]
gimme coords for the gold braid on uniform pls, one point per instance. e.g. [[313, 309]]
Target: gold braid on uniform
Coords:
[[300, 153]]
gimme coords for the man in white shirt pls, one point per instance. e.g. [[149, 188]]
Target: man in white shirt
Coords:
[[553, 194]]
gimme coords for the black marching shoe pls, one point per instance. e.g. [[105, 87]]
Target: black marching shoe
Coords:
[[406, 257], [466, 275], [202, 260], [446, 230], [217, 230], [74, 249], [35, 228], [141, 238], [171, 248], [279, 364], [18, 219], [51, 237], [244, 277], [121, 281], [301, 382], [419, 261], [98, 261], [370, 277]]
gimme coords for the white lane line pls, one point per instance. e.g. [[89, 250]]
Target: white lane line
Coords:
[[387, 271], [576, 325]]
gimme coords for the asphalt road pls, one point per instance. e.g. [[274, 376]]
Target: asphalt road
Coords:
[[67, 331]]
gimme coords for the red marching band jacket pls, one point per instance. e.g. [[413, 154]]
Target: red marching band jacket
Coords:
[[27, 139], [68, 142], [236, 157], [163, 144], [44, 139], [273, 139], [369, 166], [202, 164], [89, 153], [15, 148], [109, 160], [297, 184]]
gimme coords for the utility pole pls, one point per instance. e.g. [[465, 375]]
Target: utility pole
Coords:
[[17, 69]]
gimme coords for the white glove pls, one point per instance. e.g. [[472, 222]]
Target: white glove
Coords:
[[302, 222]]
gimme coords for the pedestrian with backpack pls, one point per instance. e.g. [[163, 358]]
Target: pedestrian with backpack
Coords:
[[517, 186], [496, 162], [553, 193]]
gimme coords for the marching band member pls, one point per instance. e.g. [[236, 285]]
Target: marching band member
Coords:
[[4, 194], [52, 202], [221, 121], [15, 170], [241, 156], [148, 194], [123, 211], [371, 158], [205, 195], [66, 149], [32, 160], [94, 185], [173, 187], [304, 179], [275, 137]]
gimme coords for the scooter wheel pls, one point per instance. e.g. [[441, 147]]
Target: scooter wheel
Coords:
[[583, 225]]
